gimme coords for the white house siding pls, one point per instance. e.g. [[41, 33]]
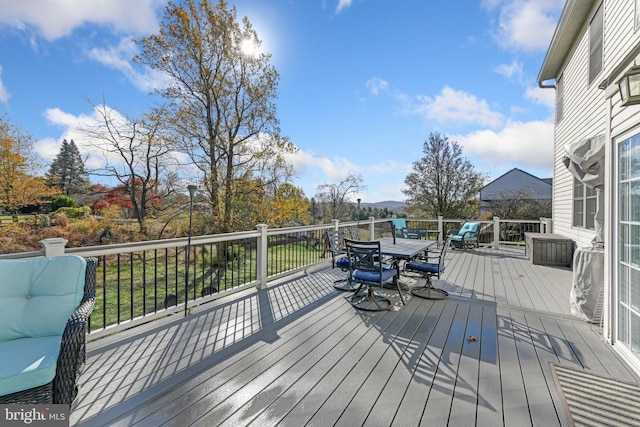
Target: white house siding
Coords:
[[585, 116], [589, 111], [619, 35]]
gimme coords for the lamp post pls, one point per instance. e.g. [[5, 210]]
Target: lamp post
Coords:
[[192, 189]]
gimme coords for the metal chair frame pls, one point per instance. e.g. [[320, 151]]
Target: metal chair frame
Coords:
[[426, 269], [370, 273], [339, 258]]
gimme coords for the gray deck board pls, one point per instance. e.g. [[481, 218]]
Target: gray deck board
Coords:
[[514, 398], [537, 388], [438, 406], [465, 399], [489, 396], [298, 354]]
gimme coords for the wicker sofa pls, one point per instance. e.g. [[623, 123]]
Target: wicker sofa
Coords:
[[45, 305]]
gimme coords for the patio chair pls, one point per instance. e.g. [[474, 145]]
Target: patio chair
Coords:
[[45, 305], [397, 225], [367, 270], [427, 267], [354, 233], [399, 229], [339, 258], [466, 237]]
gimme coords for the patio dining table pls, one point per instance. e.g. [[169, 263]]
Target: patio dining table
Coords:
[[403, 250]]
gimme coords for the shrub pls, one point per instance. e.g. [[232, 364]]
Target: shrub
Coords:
[[105, 234], [75, 213], [45, 220], [61, 219], [62, 201], [111, 212]]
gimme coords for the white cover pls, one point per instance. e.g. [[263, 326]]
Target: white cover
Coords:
[[588, 284], [585, 160]]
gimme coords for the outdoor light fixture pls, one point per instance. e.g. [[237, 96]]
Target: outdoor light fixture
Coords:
[[629, 86], [192, 190]]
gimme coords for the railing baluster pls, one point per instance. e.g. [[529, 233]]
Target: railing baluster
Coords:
[[239, 259], [144, 282]]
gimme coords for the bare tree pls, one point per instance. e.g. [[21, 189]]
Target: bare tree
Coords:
[[519, 204], [334, 199], [136, 152], [443, 182]]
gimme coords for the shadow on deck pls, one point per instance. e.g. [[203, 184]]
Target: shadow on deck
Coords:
[[297, 354]]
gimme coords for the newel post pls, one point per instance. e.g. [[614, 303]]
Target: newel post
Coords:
[[496, 232], [335, 223], [441, 235], [372, 228], [53, 247], [261, 256]]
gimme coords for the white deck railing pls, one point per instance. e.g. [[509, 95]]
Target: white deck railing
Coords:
[[141, 281]]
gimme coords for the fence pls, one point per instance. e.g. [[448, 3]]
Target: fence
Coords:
[[141, 281]]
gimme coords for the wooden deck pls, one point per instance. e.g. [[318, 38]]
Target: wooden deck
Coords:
[[299, 354]]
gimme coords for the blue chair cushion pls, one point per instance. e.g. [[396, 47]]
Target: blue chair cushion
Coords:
[[399, 224], [425, 267], [468, 237], [471, 227], [38, 295], [374, 276], [343, 263], [28, 363]]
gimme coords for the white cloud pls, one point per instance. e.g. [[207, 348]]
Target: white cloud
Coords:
[[4, 94], [525, 24], [458, 106], [384, 180], [54, 19], [119, 58], [546, 97], [343, 4], [47, 148], [333, 169], [510, 71], [518, 144], [95, 150], [72, 130], [377, 85]]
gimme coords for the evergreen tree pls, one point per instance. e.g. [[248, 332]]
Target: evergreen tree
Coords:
[[67, 172]]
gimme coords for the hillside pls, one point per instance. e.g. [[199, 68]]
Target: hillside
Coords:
[[395, 206]]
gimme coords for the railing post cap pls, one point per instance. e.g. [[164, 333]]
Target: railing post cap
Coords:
[[53, 246]]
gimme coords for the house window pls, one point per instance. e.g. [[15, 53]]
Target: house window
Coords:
[[560, 98], [596, 29], [584, 205]]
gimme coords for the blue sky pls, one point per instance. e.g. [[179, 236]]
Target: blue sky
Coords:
[[362, 82]]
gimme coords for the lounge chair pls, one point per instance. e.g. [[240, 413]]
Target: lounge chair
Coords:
[[45, 305], [467, 236]]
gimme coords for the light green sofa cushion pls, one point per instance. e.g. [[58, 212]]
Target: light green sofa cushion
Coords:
[[37, 296], [28, 363]]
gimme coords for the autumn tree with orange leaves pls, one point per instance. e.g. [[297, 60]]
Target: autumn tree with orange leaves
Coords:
[[19, 187]]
